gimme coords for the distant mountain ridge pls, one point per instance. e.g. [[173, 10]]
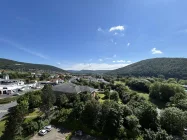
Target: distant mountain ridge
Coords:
[[88, 71], [6, 64], [169, 67]]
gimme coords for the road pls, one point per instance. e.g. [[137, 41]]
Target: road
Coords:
[[21, 93], [4, 108]]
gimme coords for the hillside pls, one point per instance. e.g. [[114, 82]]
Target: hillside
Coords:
[[169, 67], [6, 64], [88, 71]]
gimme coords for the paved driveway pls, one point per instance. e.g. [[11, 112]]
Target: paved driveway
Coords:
[[55, 134]]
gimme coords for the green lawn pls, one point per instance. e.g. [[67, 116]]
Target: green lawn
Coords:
[[119, 82], [8, 100], [36, 113], [158, 103], [2, 126], [102, 96]]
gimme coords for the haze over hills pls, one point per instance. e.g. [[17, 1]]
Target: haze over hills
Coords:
[[6, 64], [88, 71], [169, 67]]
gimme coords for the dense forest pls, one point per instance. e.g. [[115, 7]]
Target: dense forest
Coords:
[[168, 67], [6, 64]]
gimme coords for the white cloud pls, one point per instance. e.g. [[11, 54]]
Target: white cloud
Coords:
[[128, 44], [95, 66], [121, 61], [100, 60], [108, 58], [114, 55], [20, 47], [58, 63], [115, 43], [117, 28], [115, 33], [112, 40], [100, 29], [90, 60], [155, 51]]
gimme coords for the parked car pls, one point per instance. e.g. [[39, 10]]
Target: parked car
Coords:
[[78, 133], [38, 87], [16, 94], [42, 132], [21, 89], [48, 128]]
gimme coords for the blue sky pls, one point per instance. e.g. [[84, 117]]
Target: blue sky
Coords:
[[92, 34]]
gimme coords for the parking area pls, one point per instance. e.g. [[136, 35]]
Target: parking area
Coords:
[[54, 134], [60, 134], [26, 89]]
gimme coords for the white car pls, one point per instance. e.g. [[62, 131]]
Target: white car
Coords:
[[48, 128], [16, 94], [42, 132], [22, 89]]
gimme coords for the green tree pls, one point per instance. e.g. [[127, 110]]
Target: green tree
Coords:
[[182, 104], [114, 96], [48, 99], [23, 107], [177, 97], [164, 91], [182, 82], [84, 97], [147, 115], [132, 125], [32, 127], [173, 121], [113, 122], [44, 76], [13, 125], [64, 115], [139, 84], [91, 114], [107, 94], [78, 109], [172, 80], [62, 100], [34, 101], [159, 135]]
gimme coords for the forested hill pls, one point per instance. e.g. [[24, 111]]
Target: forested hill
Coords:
[[6, 64], [169, 67]]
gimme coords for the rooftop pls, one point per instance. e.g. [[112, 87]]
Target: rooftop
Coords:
[[72, 88]]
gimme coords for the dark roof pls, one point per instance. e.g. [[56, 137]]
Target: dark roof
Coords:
[[72, 88]]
